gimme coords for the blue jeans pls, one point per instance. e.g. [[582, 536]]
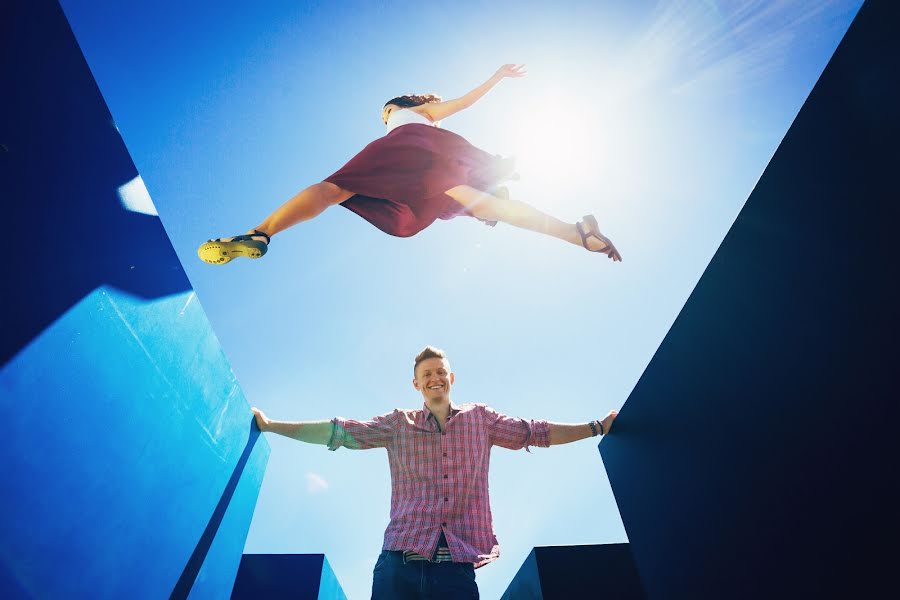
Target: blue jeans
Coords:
[[422, 580]]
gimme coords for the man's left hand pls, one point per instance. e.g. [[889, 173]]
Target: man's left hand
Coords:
[[608, 421]]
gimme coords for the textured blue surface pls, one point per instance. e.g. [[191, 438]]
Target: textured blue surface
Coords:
[[220, 565], [124, 424]]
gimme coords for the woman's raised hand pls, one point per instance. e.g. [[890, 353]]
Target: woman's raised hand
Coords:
[[511, 71]]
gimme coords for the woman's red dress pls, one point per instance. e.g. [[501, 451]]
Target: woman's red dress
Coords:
[[399, 180]]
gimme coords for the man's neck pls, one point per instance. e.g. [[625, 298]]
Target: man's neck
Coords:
[[440, 409]]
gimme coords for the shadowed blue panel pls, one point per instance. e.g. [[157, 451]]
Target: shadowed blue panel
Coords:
[[63, 176], [756, 457], [526, 585], [286, 576], [588, 571], [130, 459]]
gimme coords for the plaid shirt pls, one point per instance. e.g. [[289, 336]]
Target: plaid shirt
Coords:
[[439, 479]]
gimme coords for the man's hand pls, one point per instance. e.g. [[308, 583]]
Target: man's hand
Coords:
[[261, 420], [608, 421]]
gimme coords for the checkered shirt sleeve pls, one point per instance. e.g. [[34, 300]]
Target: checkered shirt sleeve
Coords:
[[379, 432], [515, 433]]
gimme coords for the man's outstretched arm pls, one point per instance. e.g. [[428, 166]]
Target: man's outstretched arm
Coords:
[[312, 432], [563, 433]]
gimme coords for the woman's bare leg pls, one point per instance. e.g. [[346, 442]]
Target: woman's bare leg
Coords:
[[494, 208], [304, 206]]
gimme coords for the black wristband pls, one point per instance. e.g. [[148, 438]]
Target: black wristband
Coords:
[[600, 423]]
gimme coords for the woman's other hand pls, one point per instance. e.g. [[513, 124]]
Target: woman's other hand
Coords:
[[511, 70]]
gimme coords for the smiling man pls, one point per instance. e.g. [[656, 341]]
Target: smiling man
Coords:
[[441, 527]]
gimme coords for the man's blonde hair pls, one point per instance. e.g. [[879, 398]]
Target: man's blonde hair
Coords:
[[428, 352]]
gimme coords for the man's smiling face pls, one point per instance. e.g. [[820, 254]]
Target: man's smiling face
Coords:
[[434, 378]]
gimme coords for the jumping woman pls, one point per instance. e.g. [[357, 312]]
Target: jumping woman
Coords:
[[417, 173]]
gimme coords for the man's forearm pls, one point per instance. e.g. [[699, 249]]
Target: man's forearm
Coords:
[[312, 432], [563, 433]]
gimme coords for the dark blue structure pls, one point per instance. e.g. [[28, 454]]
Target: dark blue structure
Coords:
[[756, 457], [592, 571], [131, 465], [286, 576]]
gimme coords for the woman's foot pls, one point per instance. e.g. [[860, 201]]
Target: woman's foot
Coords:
[[593, 240], [253, 244]]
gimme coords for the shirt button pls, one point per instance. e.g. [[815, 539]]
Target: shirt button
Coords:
[[445, 455], [445, 477], [444, 524], [446, 499]]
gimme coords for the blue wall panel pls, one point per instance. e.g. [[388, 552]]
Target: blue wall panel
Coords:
[[216, 576], [124, 423], [756, 456], [131, 464]]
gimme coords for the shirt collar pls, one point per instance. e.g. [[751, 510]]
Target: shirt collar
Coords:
[[430, 415]]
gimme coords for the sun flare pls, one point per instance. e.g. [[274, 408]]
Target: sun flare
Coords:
[[560, 147]]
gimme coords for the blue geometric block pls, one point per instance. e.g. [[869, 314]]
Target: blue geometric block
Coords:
[[756, 456], [124, 426], [589, 571], [131, 462], [287, 576]]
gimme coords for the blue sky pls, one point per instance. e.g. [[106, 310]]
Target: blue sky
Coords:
[[658, 117]]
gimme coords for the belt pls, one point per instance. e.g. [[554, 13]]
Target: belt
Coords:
[[442, 555]]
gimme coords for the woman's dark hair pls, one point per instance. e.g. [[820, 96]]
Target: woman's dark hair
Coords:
[[413, 100]]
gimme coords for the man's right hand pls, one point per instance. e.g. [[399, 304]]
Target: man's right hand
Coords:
[[261, 420]]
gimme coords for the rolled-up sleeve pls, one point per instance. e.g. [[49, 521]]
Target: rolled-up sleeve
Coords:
[[363, 435], [515, 433]]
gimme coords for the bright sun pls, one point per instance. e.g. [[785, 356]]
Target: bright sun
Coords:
[[558, 142]]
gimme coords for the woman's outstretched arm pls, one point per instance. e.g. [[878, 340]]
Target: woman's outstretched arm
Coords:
[[442, 110]]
